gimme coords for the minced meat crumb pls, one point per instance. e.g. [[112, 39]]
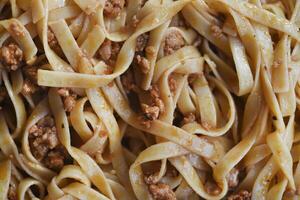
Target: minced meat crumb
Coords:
[[179, 21], [172, 84], [216, 31], [113, 8], [173, 42], [69, 98], [29, 87], [141, 42], [52, 41], [143, 64], [212, 188], [55, 159], [44, 144], [11, 56], [30, 72], [16, 29], [189, 118], [151, 179], [150, 112], [156, 100], [128, 82], [109, 51], [233, 178], [162, 191], [242, 195], [12, 192]]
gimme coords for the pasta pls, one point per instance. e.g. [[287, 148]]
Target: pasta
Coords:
[[149, 99]]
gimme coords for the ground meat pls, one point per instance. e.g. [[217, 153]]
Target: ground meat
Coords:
[[162, 191], [52, 41], [151, 179], [143, 64], [44, 144], [179, 21], [172, 84], [189, 118], [109, 51], [16, 29], [69, 98], [43, 137], [55, 159], [154, 91], [216, 31], [29, 87], [128, 82], [173, 42], [141, 42], [113, 8], [30, 72], [150, 112], [135, 21], [242, 195], [12, 192], [11, 56], [212, 188], [156, 100], [233, 178]]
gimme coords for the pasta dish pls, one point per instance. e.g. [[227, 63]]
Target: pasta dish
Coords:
[[149, 99]]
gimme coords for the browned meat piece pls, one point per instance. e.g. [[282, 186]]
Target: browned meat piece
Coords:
[[29, 87], [156, 100], [172, 84], [143, 63], [173, 42], [212, 188], [55, 159], [16, 29], [151, 179], [179, 21], [70, 103], [109, 51], [150, 112], [141, 42], [242, 195], [52, 41], [189, 118], [233, 178], [128, 82], [43, 137], [30, 72], [69, 98], [44, 144], [216, 31], [12, 192], [162, 191], [113, 8], [154, 91], [11, 56]]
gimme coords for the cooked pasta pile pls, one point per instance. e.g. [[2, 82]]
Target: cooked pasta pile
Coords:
[[157, 99]]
